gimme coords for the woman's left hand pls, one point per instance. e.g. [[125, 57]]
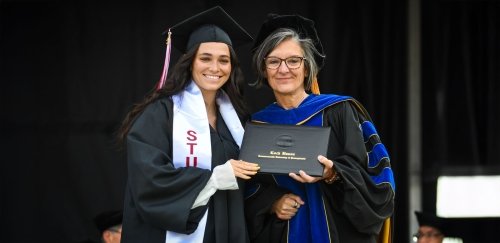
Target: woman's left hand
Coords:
[[305, 178]]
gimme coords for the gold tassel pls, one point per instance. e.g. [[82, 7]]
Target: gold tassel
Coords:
[[385, 235], [315, 86]]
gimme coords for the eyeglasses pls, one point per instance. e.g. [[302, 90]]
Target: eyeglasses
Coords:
[[291, 62], [426, 235]]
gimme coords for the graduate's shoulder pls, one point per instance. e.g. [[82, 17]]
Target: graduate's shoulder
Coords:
[[158, 110], [160, 105]]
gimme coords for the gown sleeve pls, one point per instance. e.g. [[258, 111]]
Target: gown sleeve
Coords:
[[261, 192], [163, 195], [356, 197]]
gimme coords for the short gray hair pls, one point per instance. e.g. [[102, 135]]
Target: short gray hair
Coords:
[[276, 38]]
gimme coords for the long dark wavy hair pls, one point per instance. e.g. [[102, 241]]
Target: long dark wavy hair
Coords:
[[178, 80]]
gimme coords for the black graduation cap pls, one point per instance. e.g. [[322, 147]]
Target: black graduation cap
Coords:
[[303, 26], [108, 219], [470, 230], [427, 219], [212, 25]]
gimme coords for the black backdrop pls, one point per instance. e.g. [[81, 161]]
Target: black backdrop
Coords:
[[70, 70], [461, 90]]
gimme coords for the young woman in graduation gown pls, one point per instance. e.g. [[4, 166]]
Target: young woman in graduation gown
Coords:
[[184, 184], [354, 199]]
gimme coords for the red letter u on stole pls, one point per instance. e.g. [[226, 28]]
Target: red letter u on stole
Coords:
[[191, 137], [195, 161]]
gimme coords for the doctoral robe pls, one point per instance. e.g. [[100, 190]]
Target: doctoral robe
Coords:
[[352, 209]]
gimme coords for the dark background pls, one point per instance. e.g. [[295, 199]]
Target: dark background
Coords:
[[70, 70]]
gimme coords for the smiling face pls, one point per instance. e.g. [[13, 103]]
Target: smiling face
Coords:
[[211, 66], [285, 81]]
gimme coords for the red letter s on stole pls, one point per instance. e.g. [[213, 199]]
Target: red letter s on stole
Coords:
[[191, 136]]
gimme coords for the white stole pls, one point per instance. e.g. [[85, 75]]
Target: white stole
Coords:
[[191, 140]]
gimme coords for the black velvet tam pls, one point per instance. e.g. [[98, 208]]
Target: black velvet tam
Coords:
[[304, 27]]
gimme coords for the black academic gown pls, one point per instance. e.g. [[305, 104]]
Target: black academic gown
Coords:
[[159, 197], [355, 207]]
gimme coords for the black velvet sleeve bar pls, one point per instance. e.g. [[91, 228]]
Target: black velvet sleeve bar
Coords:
[[356, 199]]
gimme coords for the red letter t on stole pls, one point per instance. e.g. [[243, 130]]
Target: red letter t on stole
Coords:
[[191, 137]]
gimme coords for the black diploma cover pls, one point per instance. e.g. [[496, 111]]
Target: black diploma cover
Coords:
[[281, 149]]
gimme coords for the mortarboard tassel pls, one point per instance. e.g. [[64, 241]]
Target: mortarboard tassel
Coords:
[[315, 86], [166, 64]]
